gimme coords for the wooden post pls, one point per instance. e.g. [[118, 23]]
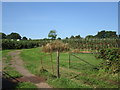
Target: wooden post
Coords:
[[69, 60], [58, 73], [52, 63], [41, 63]]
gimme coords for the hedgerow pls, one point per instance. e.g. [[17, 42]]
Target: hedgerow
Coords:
[[23, 44], [89, 44], [111, 59], [92, 44]]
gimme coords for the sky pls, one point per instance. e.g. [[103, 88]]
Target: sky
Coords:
[[35, 19]]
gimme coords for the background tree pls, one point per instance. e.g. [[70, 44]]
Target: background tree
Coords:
[[66, 38], [119, 36], [52, 34], [30, 39], [2, 35], [77, 37], [106, 34], [13, 36], [72, 37], [56, 46], [59, 38], [89, 36], [24, 38]]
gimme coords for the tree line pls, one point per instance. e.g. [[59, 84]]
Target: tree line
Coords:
[[12, 36], [100, 35], [53, 35]]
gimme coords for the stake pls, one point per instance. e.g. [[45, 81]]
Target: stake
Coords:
[[41, 63], [69, 60], [58, 73], [52, 63]]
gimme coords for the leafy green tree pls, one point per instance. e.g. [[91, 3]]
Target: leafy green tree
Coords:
[[106, 34], [24, 38], [89, 36], [52, 34], [119, 36], [13, 36], [77, 37], [59, 38], [30, 39], [72, 37], [66, 38], [45, 38], [2, 35]]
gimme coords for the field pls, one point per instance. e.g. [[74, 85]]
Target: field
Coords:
[[79, 75]]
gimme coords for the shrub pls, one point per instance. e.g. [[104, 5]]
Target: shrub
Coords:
[[111, 59]]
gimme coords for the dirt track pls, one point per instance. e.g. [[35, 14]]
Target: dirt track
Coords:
[[18, 64]]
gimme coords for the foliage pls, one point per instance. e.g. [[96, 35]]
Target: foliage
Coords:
[[14, 36], [8, 44], [2, 36], [89, 36], [82, 44], [59, 38], [24, 38], [111, 58], [106, 34], [56, 45], [92, 44], [72, 37], [66, 38], [52, 34], [77, 37]]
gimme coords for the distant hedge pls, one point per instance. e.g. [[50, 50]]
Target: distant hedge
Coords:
[[89, 44], [92, 44], [8, 44]]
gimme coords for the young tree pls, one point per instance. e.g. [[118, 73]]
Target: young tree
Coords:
[[56, 46], [52, 34]]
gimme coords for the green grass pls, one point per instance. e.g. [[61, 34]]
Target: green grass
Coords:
[[65, 83], [25, 85], [32, 58]]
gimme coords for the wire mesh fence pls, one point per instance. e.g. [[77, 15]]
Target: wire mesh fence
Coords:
[[75, 61]]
